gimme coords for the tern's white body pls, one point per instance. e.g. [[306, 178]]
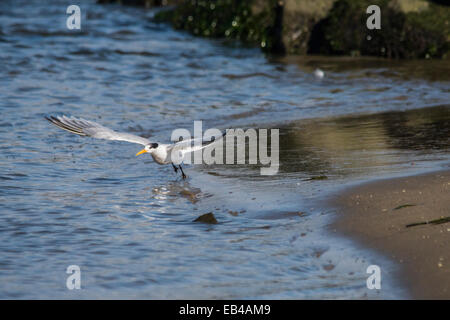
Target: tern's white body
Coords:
[[161, 155]]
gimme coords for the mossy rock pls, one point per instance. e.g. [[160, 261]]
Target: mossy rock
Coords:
[[255, 21], [409, 29], [299, 19]]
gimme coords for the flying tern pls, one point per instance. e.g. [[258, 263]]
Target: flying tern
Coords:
[[161, 153]]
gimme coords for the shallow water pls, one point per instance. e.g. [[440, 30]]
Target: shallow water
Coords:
[[128, 223]]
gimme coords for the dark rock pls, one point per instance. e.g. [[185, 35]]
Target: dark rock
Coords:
[[409, 29], [207, 218]]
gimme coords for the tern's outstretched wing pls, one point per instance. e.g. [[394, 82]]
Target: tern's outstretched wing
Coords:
[[191, 145], [92, 129]]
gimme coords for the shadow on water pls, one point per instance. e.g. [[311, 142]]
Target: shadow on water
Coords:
[[355, 146], [366, 142]]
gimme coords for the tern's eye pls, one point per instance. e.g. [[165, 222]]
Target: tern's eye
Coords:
[[154, 145]]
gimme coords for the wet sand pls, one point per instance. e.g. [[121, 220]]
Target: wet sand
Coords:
[[377, 214]]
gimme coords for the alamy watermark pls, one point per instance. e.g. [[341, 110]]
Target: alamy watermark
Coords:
[[374, 20], [74, 280], [73, 22], [234, 146], [374, 280]]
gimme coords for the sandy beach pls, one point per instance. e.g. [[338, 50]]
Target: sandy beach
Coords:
[[405, 219]]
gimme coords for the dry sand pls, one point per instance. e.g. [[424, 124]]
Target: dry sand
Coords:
[[377, 215]]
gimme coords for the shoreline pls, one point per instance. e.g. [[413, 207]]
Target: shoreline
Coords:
[[401, 218]]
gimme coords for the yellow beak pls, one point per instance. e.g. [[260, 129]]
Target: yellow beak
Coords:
[[141, 152]]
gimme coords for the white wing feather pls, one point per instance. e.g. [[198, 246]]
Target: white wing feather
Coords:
[[191, 145], [92, 129]]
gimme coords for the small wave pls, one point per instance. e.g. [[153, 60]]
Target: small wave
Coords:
[[43, 33], [248, 75], [137, 53], [122, 32], [106, 52]]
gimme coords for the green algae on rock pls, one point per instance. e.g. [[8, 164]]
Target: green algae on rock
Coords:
[[256, 21], [409, 28]]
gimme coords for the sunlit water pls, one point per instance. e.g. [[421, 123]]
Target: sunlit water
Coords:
[[128, 223]]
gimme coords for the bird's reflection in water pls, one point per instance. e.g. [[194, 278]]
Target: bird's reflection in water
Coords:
[[173, 191]]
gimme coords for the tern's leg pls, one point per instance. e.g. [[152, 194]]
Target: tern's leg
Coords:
[[182, 172], [174, 168]]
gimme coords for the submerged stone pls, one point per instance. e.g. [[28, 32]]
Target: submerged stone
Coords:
[[207, 218]]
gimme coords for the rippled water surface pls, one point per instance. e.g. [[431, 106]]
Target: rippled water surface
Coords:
[[128, 223]]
